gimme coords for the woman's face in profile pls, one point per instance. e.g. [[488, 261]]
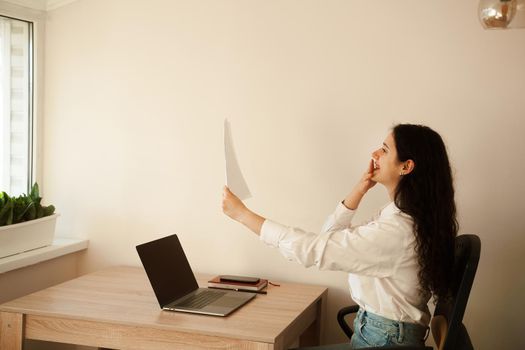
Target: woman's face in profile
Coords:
[[387, 167]]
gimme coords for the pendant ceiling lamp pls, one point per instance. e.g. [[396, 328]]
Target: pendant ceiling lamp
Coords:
[[502, 14]]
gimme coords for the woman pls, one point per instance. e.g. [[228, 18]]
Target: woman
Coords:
[[400, 258]]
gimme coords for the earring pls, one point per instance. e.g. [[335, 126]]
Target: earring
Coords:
[[402, 173]]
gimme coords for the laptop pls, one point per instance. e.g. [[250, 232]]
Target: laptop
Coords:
[[174, 283]]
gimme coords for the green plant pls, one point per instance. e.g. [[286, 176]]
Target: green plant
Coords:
[[14, 210]]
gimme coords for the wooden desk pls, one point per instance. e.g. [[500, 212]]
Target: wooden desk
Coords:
[[116, 308]]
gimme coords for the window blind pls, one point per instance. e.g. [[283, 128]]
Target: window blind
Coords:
[[15, 93]]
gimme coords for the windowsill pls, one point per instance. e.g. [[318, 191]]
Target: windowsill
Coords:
[[60, 246]]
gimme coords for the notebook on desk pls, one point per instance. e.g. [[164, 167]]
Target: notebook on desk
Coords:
[[174, 283]]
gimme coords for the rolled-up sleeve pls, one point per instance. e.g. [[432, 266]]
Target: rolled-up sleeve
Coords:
[[372, 249], [340, 219], [295, 244]]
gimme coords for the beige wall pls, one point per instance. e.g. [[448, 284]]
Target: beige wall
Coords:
[[136, 93]]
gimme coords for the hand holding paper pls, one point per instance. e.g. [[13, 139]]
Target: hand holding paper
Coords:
[[235, 209], [236, 189], [232, 205]]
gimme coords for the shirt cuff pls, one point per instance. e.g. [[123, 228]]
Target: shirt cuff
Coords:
[[272, 232], [343, 213]]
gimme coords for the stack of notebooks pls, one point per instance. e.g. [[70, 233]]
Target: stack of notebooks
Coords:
[[247, 284]]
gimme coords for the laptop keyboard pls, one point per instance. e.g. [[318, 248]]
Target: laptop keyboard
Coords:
[[198, 301]]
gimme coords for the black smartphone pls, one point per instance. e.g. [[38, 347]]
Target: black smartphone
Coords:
[[241, 279]]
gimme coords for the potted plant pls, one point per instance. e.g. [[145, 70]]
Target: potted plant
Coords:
[[25, 223]]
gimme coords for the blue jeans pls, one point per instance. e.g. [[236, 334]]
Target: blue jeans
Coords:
[[374, 330]]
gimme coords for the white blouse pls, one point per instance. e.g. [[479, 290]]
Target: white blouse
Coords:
[[379, 257]]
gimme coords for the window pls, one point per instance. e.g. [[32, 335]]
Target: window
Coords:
[[16, 105]]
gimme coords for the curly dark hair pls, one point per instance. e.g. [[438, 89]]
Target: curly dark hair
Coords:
[[427, 195]]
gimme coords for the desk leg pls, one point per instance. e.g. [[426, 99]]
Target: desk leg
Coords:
[[11, 330], [312, 335]]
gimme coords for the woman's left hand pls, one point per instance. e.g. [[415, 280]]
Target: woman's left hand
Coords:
[[232, 205], [235, 209]]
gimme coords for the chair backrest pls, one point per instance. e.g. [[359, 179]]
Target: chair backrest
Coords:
[[467, 251], [439, 326]]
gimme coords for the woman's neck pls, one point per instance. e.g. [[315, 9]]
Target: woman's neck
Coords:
[[391, 193]]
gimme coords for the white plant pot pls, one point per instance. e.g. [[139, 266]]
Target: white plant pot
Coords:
[[27, 235]]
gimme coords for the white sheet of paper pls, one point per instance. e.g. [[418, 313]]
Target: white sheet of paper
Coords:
[[234, 179]]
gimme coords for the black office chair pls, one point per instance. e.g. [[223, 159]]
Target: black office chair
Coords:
[[447, 328]]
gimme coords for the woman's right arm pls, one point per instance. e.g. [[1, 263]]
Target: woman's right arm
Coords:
[[353, 199], [342, 217]]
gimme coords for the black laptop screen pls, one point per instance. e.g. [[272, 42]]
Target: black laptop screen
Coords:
[[168, 269]]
